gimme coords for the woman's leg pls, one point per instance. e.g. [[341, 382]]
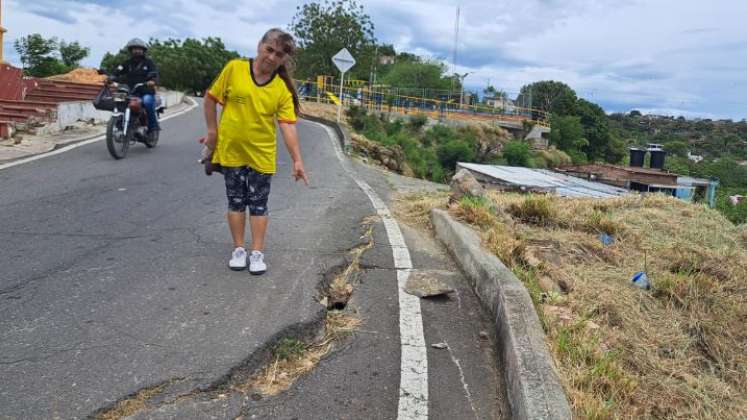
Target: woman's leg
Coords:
[[259, 229], [236, 192], [259, 193], [237, 225]]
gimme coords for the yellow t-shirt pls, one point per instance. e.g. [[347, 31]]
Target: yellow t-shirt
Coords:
[[246, 132]]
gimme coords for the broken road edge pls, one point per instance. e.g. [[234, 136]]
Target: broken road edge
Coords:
[[533, 387]]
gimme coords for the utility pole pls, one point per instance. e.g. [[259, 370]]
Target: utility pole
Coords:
[[456, 49], [2, 33], [461, 94]]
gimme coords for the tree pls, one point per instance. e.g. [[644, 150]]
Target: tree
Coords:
[[676, 148], [37, 55], [73, 53], [40, 57], [596, 129], [418, 74], [568, 135], [517, 153], [321, 30], [548, 96]]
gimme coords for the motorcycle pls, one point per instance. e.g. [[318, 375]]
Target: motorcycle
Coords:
[[129, 121]]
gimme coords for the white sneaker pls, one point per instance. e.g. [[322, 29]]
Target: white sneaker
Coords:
[[257, 264], [238, 259]]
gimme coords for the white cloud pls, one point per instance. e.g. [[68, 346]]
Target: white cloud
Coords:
[[687, 56]]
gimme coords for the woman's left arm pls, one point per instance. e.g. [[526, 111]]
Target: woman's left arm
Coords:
[[290, 136]]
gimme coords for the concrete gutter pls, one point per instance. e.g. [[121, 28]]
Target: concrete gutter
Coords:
[[342, 132], [534, 390], [69, 113]]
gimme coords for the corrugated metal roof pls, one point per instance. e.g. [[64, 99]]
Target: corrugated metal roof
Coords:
[[688, 180], [561, 184]]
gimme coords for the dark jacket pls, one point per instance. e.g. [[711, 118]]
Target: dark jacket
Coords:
[[134, 71]]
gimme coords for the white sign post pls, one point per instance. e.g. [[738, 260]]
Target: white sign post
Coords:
[[344, 61]]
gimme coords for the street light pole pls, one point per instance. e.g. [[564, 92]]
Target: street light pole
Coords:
[[461, 95]]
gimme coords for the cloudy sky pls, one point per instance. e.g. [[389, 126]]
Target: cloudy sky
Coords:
[[677, 57]]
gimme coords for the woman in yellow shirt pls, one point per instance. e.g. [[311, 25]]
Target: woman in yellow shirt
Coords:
[[254, 94]]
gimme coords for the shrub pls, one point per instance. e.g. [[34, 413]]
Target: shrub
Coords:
[[534, 210], [455, 151], [517, 153], [357, 117], [417, 122]]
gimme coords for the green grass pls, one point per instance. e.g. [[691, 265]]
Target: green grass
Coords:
[[289, 349]]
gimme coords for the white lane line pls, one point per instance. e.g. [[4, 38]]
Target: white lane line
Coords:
[[413, 387], [85, 142]]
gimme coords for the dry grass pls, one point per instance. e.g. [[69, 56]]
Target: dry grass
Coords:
[[131, 405], [293, 359], [320, 110], [475, 211], [415, 209], [676, 351], [536, 210]]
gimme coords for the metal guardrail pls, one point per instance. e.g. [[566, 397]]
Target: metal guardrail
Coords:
[[383, 101]]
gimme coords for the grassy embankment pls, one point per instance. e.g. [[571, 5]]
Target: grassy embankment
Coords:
[[678, 350]]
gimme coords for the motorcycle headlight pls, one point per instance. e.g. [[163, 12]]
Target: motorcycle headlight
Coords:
[[119, 97]]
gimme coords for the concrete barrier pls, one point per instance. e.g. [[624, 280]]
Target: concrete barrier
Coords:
[[342, 132], [534, 390], [68, 113]]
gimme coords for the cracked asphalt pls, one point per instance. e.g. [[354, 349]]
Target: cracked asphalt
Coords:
[[113, 279]]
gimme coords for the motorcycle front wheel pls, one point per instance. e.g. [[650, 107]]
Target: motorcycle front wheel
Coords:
[[116, 141]]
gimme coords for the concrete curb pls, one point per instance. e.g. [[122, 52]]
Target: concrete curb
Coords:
[[534, 390], [342, 132]]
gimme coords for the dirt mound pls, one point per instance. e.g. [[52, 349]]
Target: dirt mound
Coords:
[[81, 75]]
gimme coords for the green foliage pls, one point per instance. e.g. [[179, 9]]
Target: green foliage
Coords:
[[418, 74], [596, 131], [417, 122], [440, 134], [549, 96], [323, 29], [72, 53], [676, 148], [289, 349], [736, 214], [678, 165], [41, 57], [190, 65], [455, 151], [431, 154], [567, 134], [517, 153], [729, 173]]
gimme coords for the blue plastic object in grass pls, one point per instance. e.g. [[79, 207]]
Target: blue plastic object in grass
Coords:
[[640, 279], [606, 239]]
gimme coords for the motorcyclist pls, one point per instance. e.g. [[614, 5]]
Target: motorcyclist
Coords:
[[141, 69]]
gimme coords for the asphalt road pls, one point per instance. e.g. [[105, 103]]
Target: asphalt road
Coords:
[[113, 278], [114, 272]]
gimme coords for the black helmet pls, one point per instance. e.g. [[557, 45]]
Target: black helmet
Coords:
[[137, 43]]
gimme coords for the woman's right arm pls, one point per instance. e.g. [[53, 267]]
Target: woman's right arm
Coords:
[[211, 120]]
